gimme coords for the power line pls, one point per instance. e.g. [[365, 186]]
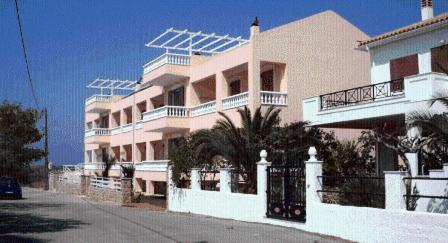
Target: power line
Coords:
[[30, 81]]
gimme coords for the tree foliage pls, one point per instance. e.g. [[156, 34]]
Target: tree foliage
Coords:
[[18, 134]]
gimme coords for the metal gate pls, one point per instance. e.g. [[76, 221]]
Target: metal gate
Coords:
[[286, 192]]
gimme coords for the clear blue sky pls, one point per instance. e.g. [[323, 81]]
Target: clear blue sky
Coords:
[[72, 42]]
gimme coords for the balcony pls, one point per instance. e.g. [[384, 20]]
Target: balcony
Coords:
[[97, 135], [273, 98], [235, 101], [203, 109], [152, 165], [365, 106], [166, 118], [99, 103], [94, 166], [166, 69]]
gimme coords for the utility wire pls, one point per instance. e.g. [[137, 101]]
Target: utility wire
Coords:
[[30, 81]]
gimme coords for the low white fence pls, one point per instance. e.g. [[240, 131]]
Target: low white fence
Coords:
[[98, 98], [166, 58], [166, 111], [234, 101], [203, 109], [392, 224], [103, 182], [273, 98]]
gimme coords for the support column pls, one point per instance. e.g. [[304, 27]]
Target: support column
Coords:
[[195, 179], [313, 171], [262, 182], [395, 189], [221, 90], [126, 191], [225, 180]]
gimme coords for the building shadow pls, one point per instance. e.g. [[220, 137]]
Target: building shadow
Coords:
[[22, 206]]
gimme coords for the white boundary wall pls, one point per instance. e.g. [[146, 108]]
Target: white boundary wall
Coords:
[[393, 224]]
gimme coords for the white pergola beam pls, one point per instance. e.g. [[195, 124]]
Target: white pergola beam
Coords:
[[211, 43], [225, 44]]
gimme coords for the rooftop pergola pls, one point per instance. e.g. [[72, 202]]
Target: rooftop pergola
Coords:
[[112, 84], [173, 40]]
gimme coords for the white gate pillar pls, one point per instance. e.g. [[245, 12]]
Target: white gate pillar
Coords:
[[395, 189], [313, 169], [413, 163], [262, 182], [195, 179], [224, 180]]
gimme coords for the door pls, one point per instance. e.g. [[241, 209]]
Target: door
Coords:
[[176, 97]]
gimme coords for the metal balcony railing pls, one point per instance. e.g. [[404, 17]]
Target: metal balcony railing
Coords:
[[362, 94]]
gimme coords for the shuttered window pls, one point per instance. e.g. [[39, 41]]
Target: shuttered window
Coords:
[[439, 59], [267, 80], [401, 68], [235, 87]]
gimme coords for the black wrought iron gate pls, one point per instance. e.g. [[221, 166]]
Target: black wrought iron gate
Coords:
[[286, 192]]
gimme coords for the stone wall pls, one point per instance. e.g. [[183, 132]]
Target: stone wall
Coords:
[[83, 187], [104, 194]]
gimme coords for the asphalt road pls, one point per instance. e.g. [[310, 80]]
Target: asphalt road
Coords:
[[53, 217]]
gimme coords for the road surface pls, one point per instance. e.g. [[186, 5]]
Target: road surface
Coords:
[[54, 217]]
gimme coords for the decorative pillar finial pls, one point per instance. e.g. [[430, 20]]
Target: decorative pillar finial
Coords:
[[312, 152], [256, 22]]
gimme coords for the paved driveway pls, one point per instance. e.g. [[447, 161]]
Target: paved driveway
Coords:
[[46, 216]]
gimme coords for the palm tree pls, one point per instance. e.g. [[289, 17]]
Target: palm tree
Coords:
[[435, 129], [239, 146]]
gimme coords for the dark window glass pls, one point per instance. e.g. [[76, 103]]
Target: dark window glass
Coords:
[[235, 87], [267, 80], [401, 68], [439, 59], [176, 97]]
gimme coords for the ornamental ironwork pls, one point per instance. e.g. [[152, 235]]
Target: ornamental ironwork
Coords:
[[362, 94]]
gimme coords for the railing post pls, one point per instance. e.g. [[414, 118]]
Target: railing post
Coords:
[[262, 182], [395, 189], [313, 170], [224, 180], [195, 179]]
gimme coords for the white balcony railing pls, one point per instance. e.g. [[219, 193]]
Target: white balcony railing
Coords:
[[166, 111], [115, 130], [97, 132], [234, 101], [139, 124], [98, 98], [126, 128], [166, 58], [203, 109], [273, 98]]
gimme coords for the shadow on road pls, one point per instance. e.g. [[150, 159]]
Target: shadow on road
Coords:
[[22, 206], [16, 239], [14, 222]]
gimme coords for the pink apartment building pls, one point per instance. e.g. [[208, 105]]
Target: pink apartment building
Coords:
[[201, 74]]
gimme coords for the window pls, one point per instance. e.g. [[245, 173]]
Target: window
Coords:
[[235, 87], [267, 80], [439, 59], [104, 123], [176, 97], [401, 68]]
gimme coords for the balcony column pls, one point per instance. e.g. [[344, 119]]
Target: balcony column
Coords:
[[254, 81], [221, 90], [149, 151]]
